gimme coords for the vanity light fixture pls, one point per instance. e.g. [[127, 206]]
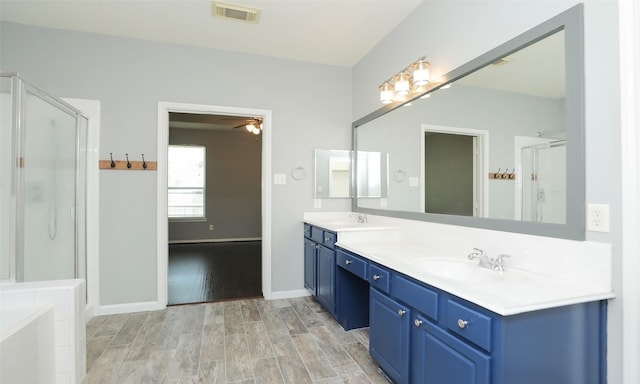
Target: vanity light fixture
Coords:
[[406, 81]]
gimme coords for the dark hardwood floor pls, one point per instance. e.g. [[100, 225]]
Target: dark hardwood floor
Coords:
[[206, 272]]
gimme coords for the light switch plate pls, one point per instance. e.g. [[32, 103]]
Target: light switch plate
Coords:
[[414, 182], [279, 178], [317, 203]]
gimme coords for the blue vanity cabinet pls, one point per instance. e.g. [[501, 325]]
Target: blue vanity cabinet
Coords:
[[389, 332], [310, 262], [352, 290], [326, 269], [439, 357], [320, 265], [446, 339]]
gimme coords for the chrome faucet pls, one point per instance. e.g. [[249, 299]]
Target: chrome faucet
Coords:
[[497, 263], [361, 218]]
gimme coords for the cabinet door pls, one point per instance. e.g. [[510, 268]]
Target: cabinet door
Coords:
[[438, 357], [326, 272], [310, 265], [389, 335]]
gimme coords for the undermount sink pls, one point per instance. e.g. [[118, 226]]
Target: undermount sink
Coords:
[[466, 271]]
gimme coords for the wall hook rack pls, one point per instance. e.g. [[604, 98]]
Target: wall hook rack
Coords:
[[128, 164], [506, 175]]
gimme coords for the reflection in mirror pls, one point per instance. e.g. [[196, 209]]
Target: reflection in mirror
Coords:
[[493, 113], [332, 173], [496, 144], [372, 177]]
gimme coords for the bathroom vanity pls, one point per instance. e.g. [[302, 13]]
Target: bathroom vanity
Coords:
[[438, 318]]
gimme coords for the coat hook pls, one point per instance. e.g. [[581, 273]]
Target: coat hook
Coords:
[[113, 163], [144, 163], [128, 162]]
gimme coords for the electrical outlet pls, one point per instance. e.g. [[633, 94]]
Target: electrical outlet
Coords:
[[317, 203], [211, 227], [598, 217]]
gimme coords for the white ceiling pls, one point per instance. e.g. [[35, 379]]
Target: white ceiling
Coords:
[[334, 32]]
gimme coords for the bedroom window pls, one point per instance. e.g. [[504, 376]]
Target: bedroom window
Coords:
[[186, 181]]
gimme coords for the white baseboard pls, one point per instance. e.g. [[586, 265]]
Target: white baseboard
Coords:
[[127, 308], [289, 294], [215, 240], [113, 309]]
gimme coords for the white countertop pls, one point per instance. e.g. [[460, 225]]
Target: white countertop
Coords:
[[526, 291], [543, 272]]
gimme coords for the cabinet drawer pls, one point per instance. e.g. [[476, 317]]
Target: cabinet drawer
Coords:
[[380, 278], [416, 295], [469, 323], [317, 234], [329, 239], [307, 231], [352, 263]]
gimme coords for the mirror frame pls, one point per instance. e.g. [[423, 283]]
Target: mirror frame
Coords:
[[571, 21]]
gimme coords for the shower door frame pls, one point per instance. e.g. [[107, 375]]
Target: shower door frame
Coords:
[[20, 88]]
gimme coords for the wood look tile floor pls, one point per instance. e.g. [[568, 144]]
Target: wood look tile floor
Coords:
[[246, 341]]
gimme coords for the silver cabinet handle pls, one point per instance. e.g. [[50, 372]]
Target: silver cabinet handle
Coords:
[[348, 262], [317, 246], [417, 322], [376, 277], [462, 323], [401, 312], [327, 239]]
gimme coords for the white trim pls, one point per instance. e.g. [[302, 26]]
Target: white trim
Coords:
[[91, 108], [215, 240], [128, 308], [483, 146], [290, 294], [163, 224], [629, 32]]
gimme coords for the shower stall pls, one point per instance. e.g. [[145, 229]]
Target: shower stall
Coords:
[[43, 164], [544, 178]]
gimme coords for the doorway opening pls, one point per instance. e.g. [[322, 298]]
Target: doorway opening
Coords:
[[225, 219], [453, 161], [214, 198]]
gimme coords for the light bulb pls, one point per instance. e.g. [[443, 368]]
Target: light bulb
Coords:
[[402, 84], [421, 73], [386, 93]]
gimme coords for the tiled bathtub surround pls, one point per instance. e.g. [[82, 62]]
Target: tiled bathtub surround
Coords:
[[69, 320], [247, 341]]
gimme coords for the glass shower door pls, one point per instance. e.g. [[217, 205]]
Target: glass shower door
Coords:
[[543, 185], [48, 162]]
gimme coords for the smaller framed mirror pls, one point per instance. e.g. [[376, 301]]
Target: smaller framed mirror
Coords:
[[332, 173]]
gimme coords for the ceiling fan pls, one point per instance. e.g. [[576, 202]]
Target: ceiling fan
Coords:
[[253, 125]]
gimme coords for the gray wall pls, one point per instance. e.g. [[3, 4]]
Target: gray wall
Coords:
[[233, 181], [130, 77], [454, 32]]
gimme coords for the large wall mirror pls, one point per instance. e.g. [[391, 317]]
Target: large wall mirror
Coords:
[[497, 144]]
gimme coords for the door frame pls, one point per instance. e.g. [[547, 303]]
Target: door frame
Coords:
[[481, 188], [162, 184]]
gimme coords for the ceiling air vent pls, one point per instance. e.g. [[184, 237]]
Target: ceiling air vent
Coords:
[[235, 12]]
